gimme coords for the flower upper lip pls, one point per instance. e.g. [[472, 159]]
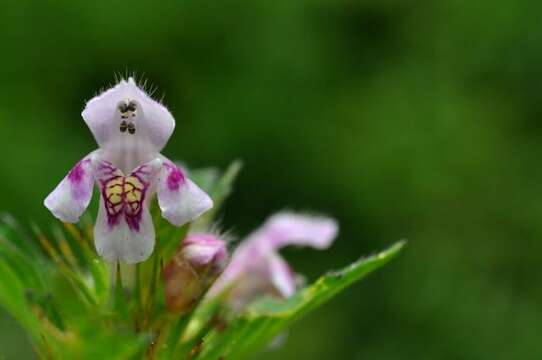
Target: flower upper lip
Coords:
[[126, 101]]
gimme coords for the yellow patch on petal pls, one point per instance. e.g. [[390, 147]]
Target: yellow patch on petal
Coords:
[[114, 191], [122, 190]]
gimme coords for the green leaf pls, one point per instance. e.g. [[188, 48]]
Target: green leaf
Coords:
[[13, 299], [224, 186], [169, 240], [12, 232], [205, 178], [266, 319]]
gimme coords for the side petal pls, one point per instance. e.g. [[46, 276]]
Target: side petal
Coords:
[[180, 200], [120, 242], [288, 228], [71, 197]]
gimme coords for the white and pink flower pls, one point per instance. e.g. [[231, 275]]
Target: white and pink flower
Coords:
[[131, 129]]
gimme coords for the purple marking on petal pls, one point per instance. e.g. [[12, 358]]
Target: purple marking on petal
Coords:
[[124, 195], [133, 222], [77, 173], [175, 177], [76, 177], [134, 208]]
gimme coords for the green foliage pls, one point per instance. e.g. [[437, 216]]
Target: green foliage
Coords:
[[268, 317], [73, 305]]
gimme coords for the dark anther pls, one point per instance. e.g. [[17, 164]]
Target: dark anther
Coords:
[[123, 107], [131, 106], [131, 128], [123, 126]]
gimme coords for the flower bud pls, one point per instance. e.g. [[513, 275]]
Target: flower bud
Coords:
[[199, 261]]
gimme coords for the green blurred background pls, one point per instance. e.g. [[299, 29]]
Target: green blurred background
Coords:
[[403, 119]]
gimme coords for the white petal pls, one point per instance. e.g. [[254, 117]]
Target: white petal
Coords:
[[180, 200], [71, 197], [117, 242], [151, 121], [124, 230]]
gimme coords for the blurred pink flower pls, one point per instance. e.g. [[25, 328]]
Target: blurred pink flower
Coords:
[[257, 269]]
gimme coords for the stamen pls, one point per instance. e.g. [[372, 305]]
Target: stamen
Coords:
[[123, 126], [132, 106], [123, 107], [131, 128]]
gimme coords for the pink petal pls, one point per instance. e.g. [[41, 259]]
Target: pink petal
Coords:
[[204, 250], [281, 275], [288, 228]]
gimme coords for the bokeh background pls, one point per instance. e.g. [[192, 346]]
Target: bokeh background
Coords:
[[403, 119]]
